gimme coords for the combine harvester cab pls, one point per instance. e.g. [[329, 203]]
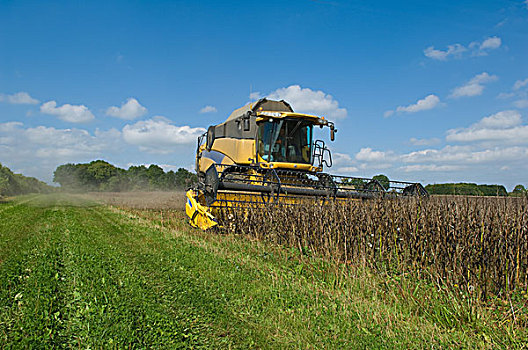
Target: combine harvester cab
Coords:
[[265, 153]]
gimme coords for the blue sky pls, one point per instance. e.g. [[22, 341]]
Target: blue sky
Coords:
[[422, 91]]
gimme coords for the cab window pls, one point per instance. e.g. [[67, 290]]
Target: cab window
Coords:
[[285, 140]]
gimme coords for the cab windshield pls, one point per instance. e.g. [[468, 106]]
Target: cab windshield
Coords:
[[285, 140]]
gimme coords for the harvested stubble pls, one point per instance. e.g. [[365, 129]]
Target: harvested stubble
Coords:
[[478, 244], [140, 200]]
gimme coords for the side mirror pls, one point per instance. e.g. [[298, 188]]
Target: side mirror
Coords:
[[246, 124], [333, 131], [210, 138]]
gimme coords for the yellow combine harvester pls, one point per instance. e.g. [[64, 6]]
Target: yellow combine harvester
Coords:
[[264, 153]]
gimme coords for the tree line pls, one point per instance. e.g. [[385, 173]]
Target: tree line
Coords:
[[467, 189], [100, 175], [12, 184], [464, 189]]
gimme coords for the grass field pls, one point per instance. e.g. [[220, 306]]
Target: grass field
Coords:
[[76, 273]]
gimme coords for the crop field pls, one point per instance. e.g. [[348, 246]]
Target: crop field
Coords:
[[477, 244], [126, 271]]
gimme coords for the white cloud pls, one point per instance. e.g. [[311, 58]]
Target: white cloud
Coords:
[[500, 120], [519, 92], [466, 155], [501, 23], [521, 103], [505, 95], [375, 166], [255, 96], [430, 167], [43, 135], [474, 87], [512, 135], [475, 48], [368, 155], [10, 126], [428, 102], [447, 154], [468, 90], [341, 158], [467, 161], [493, 142], [37, 151], [69, 143], [520, 83], [424, 142], [19, 98], [129, 110], [208, 109], [159, 135], [343, 163], [492, 150], [67, 112], [170, 167], [503, 127], [365, 159], [309, 101], [490, 43], [347, 170], [452, 50]]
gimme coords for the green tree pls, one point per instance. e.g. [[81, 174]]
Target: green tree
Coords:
[[155, 175], [12, 184], [116, 183], [519, 189], [492, 190], [383, 180], [100, 175], [138, 177], [467, 189], [66, 175], [184, 178], [4, 182], [169, 180], [354, 182], [100, 172]]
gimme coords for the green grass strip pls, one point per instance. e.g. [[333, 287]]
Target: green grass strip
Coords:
[[74, 274]]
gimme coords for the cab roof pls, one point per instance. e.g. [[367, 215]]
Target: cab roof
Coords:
[[261, 105], [263, 115]]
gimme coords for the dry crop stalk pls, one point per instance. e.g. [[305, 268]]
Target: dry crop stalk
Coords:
[[480, 244]]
